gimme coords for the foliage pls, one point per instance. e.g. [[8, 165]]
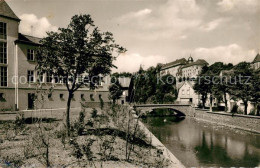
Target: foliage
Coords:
[[79, 124], [242, 86], [115, 91], [209, 82], [80, 49], [148, 86], [121, 74]]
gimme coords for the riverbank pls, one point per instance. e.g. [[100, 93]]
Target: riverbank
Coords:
[[197, 143], [235, 121], [174, 162]]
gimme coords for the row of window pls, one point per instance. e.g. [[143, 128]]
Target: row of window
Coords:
[[82, 97]]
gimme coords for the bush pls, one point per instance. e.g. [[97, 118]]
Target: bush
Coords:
[[79, 125]]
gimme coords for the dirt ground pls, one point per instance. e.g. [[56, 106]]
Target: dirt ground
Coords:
[[24, 144]]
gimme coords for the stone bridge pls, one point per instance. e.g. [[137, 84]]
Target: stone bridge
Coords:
[[181, 109]]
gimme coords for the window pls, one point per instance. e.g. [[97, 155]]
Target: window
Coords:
[[57, 79], [2, 99], [82, 97], [183, 92], [3, 76], [3, 53], [30, 55], [2, 30], [188, 91], [92, 97], [48, 77], [30, 76], [50, 96], [62, 97], [39, 77]]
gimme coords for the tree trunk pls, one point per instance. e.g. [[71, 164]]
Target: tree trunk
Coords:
[[257, 109], [245, 111], [225, 100], [203, 101], [210, 99], [68, 112]]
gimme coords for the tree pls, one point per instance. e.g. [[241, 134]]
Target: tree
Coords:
[[80, 49], [220, 87], [203, 85], [148, 86], [256, 91], [241, 84], [115, 90]]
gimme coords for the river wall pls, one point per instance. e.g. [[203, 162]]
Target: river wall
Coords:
[[237, 121]]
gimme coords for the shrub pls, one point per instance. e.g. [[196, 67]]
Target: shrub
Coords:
[[79, 125]]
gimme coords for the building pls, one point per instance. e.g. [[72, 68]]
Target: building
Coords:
[[185, 72], [18, 86], [125, 83], [186, 94], [192, 69], [256, 62], [173, 67]]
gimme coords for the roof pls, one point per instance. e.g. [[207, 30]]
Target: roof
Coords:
[[257, 58], [125, 82], [28, 39], [175, 63], [6, 11], [185, 82], [198, 62]]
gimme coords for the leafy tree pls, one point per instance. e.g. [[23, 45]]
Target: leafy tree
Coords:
[[242, 85], [220, 87], [203, 85], [148, 86], [79, 49], [165, 89], [256, 91], [115, 90]]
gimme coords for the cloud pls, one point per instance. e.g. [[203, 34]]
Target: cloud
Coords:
[[132, 62], [239, 5], [32, 25], [232, 53], [166, 21], [212, 25]]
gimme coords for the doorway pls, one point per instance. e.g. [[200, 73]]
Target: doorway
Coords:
[[31, 98]]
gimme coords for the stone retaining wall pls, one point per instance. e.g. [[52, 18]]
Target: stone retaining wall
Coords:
[[244, 122]]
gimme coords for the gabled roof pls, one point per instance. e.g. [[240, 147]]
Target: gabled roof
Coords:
[[257, 58], [175, 63], [6, 11], [198, 62], [28, 39], [185, 82]]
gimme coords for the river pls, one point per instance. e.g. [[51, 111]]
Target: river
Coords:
[[197, 143]]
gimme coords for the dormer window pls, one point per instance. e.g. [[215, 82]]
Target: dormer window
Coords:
[[30, 55], [3, 30]]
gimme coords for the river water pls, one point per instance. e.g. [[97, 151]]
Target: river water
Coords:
[[197, 143]]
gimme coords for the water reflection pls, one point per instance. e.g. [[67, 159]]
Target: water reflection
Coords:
[[200, 144]]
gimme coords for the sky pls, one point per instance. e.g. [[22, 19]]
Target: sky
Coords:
[[157, 31]]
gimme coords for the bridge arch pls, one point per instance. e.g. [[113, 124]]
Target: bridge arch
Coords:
[[181, 110]]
